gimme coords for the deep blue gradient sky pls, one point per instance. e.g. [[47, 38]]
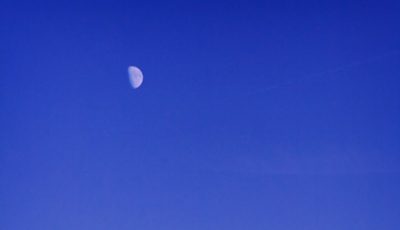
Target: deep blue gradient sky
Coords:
[[279, 115]]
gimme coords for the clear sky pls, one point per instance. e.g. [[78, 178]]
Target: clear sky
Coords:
[[280, 115]]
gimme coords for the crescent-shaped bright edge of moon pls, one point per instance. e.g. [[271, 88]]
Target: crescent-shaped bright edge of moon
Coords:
[[135, 76]]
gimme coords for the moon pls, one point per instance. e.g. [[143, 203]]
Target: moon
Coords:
[[135, 76]]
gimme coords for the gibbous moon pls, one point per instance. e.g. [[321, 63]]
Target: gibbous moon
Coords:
[[135, 76]]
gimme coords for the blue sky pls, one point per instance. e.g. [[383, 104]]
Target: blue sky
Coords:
[[252, 115]]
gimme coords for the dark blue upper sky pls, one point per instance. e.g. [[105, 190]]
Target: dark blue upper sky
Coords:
[[253, 115]]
